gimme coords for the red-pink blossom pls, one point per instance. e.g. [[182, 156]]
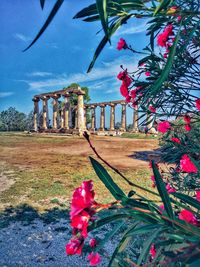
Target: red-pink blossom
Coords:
[[198, 103], [187, 119], [80, 222], [170, 189], [133, 93], [94, 258], [198, 195], [187, 165], [164, 36], [164, 126], [152, 109], [187, 216], [124, 90], [92, 242], [152, 251], [75, 246], [121, 44], [83, 197], [188, 127], [176, 140], [147, 73], [153, 178], [162, 207], [128, 99]]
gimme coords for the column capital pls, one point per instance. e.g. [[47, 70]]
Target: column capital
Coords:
[[45, 97], [102, 105], [36, 99], [112, 104], [55, 96], [66, 94]]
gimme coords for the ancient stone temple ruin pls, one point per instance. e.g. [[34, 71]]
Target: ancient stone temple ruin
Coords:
[[62, 115]]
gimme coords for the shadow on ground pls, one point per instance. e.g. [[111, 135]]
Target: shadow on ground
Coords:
[[27, 214], [144, 155]]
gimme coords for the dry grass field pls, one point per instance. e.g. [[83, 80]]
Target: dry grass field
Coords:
[[42, 170]]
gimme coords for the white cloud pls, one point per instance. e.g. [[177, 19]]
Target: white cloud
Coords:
[[22, 37], [131, 30], [39, 73], [96, 79], [6, 94]]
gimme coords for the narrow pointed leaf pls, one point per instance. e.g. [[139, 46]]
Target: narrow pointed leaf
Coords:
[[42, 2], [101, 6], [162, 191], [187, 199], [47, 22], [107, 180]]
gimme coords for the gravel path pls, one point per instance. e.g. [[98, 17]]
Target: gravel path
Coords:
[[39, 244]]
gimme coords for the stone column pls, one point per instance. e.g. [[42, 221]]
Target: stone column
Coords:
[[149, 123], [135, 120], [35, 113], [85, 117], [93, 118], [102, 118], [112, 117], [80, 112], [62, 118], [45, 112], [123, 118], [55, 111], [76, 119], [66, 111]]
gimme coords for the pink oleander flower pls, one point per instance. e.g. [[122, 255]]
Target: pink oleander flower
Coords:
[[133, 93], [94, 258], [92, 242], [128, 99], [162, 207], [188, 127], [83, 197], [75, 246], [152, 251], [187, 119], [147, 73], [164, 126], [197, 103], [164, 36], [80, 222], [187, 216], [152, 109], [187, 165], [124, 90], [121, 44], [170, 189], [179, 18], [198, 195], [176, 140], [153, 178]]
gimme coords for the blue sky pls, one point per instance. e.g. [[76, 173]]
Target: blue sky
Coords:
[[61, 56]]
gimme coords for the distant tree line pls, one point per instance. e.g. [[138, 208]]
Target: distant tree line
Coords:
[[13, 120]]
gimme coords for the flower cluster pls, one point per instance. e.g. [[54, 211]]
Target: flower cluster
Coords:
[[164, 39], [126, 82], [82, 211], [121, 44]]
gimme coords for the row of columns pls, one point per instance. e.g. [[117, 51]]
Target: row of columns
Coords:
[[80, 123], [112, 117]]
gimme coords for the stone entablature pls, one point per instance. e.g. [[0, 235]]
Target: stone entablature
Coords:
[[61, 123]]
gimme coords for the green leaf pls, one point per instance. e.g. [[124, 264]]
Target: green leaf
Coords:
[[163, 5], [146, 247], [143, 229], [162, 191], [42, 3], [122, 244], [165, 72], [106, 220], [105, 39], [107, 180], [47, 22], [101, 7], [187, 199]]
